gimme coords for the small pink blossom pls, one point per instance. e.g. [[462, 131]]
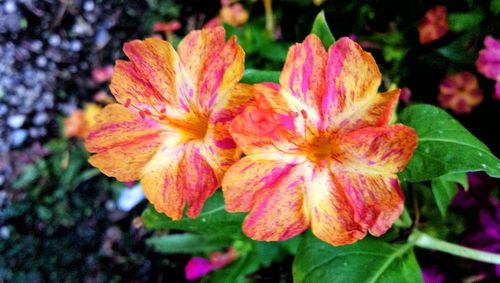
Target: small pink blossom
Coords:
[[460, 92], [198, 267], [166, 26], [488, 62], [405, 95], [102, 74], [433, 25]]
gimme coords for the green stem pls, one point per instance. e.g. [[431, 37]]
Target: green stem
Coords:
[[425, 241], [269, 17]]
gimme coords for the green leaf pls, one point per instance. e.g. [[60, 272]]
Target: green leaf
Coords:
[[370, 260], [267, 252], [322, 30], [252, 76], [404, 221], [443, 191], [187, 243], [462, 49], [444, 146], [29, 175], [213, 220], [495, 7], [459, 22]]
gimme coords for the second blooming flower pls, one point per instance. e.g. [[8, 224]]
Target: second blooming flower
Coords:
[[318, 149]]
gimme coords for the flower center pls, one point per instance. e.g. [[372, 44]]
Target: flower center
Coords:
[[196, 130], [319, 148]]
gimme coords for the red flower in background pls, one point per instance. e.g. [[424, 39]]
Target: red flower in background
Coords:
[[460, 92], [488, 62], [433, 25]]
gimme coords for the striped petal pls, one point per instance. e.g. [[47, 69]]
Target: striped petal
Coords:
[[153, 80], [214, 65], [332, 214], [304, 72], [218, 139], [252, 176], [269, 124], [351, 100], [180, 176], [124, 142], [279, 211], [377, 199], [384, 150]]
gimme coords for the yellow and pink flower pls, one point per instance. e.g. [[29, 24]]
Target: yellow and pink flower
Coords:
[[170, 129], [433, 25], [488, 62], [460, 92], [319, 150]]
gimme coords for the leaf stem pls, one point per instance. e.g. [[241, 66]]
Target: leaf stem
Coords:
[[425, 241], [269, 17]]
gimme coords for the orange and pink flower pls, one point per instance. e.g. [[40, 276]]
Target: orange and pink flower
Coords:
[[460, 92], [433, 25], [488, 62], [319, 150], [170, 129]]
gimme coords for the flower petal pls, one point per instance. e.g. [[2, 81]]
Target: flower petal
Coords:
[[269, 124], [124, 142], [332, 214], [178, 176], [245, 180], [218, 140], [303, 75], [164, 183], [214, 65], [377, 199], [279, 212], [154, 77], [376, 149], [351, 100]]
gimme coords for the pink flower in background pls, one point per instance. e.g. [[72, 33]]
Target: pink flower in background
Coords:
[[488, 62], [198, 267], [102, 74], [405, 95], [460, 92], [166, 26], [433, 25]]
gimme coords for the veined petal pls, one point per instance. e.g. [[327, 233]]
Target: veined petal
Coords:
[[201, 180], [124, 142], [214, 64], [218, 140], [279, 212], [351, 99], [251, 176], [164, 182], [332, 213], [303, 75], [376, 149], [156, 60], [377, 199], [269, 124], [180, 176]]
